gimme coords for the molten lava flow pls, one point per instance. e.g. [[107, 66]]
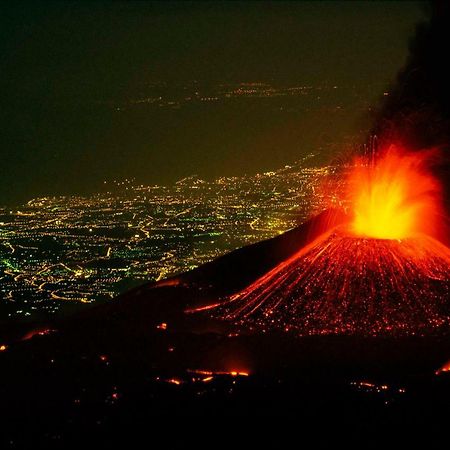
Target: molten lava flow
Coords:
[[396, 197], [343, 284]]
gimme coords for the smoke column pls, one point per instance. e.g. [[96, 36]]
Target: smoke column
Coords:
[[417, 110]]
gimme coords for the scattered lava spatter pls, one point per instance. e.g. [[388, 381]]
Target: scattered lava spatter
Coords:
[[351, 285], [381, 274]]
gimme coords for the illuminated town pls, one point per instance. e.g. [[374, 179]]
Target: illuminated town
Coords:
[[291, 97], [56, 250]]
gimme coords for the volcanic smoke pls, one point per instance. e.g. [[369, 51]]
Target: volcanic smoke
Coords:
[[383, 273]]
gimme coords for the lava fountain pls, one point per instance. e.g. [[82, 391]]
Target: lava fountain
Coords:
[[395, 198], [383, 273]]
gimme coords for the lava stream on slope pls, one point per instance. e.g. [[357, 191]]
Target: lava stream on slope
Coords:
[[345, 284]]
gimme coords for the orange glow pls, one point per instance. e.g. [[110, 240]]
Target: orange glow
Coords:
[[37, 332], [395, 198], [3, 348], [241, 374], [233, 373], [201, 308], [201, 372], [162, 326], [444, 368]]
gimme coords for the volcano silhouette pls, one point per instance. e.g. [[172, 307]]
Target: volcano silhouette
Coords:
[[142, 358], [343, 284]]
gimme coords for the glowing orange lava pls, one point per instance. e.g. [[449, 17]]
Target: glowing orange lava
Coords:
[[444, 369], [395, 198]]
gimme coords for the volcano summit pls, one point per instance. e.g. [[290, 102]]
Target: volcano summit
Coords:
[[381, 274]]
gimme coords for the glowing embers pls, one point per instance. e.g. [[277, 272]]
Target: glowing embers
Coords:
[[444, 369], [384, 392], [37, 332], [394, 198], [199, 376], [351, 285]]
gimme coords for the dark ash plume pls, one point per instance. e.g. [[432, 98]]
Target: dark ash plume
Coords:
[[417, 110]]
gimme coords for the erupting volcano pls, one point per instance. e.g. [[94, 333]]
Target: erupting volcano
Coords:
[[384, 272]]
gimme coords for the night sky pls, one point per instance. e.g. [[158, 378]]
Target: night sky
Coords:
[[69, 71]]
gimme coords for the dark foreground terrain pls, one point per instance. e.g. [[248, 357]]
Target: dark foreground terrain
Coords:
[[141, 367]]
